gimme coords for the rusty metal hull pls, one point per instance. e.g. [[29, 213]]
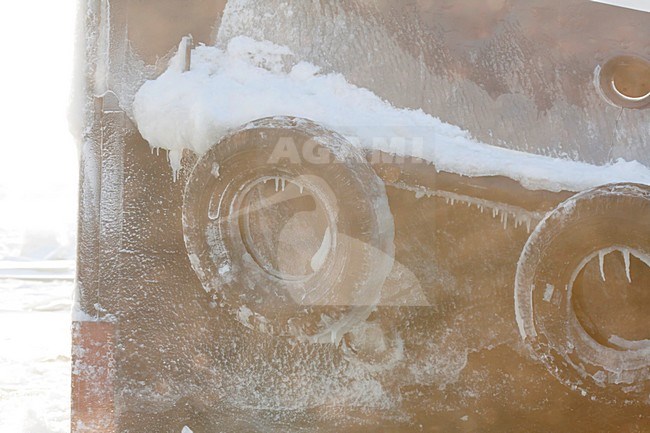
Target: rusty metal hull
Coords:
[[164, 355]]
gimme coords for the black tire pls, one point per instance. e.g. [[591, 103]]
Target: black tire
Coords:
[[598, 221], [256, 208]]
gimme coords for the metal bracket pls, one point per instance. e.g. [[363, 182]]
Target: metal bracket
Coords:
[[187, 43]]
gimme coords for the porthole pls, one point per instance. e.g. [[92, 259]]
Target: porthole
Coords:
[[625, 81]]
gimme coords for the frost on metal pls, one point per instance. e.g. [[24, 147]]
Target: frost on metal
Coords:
[[93, 376], [379, 216]]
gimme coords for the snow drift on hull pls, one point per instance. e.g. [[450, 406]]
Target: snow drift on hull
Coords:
[[250, 79]]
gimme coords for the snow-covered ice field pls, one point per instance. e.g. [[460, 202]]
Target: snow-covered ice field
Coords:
[[36, 283], [35, 355], [38, 172]]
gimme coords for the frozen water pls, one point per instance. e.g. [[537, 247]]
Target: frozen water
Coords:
[[601, 262], [503, 211], [626, 258], [259, 79], [641, 5], [442, 358], [319, 258], [548, 292], [35, 356], [625, 252]]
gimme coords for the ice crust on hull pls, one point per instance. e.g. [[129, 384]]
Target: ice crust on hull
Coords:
[[452, 360], [341, 281], [585, 229], [249, 80], [496, 68]]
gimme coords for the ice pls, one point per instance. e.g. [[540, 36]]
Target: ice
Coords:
[[630, 345], [260, 79], [319, 258], [38, 195], [215, 170], [448, 357], [626, 253], [640, 5], [548, 292], [601, 262], [503, 211], [626, 259], [37, 270], [174, 156], [35, 356]]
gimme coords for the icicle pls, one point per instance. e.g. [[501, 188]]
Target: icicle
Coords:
[[215, 170], [277, 184], [626, 259], [504, 211], [601, 262], [283, 183], [174, 157], [302, 188]]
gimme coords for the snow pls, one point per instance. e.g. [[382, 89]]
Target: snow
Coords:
[[639, 5], [38, 208], [248, 80], [35, 356], [37, 250]]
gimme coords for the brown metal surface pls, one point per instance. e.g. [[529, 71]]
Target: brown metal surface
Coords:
[[93, 377], [517, 74]]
